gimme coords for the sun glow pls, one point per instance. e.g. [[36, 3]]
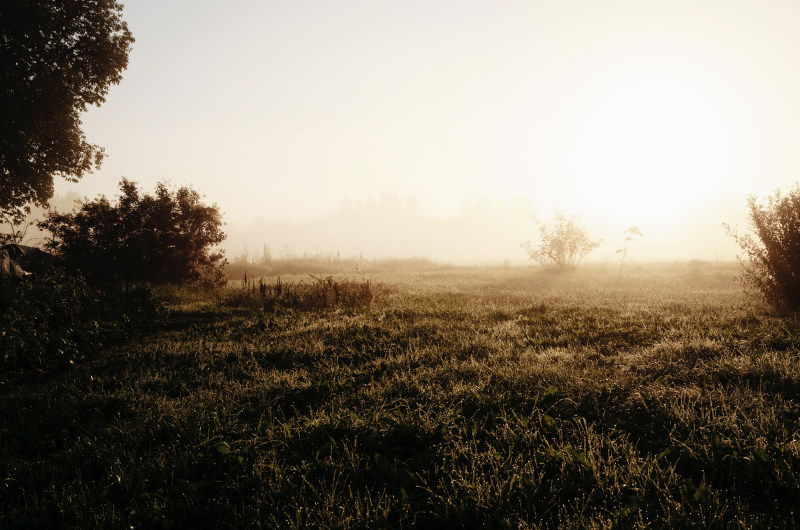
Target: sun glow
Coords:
[[651, 152], [641, 131], [626, 113]]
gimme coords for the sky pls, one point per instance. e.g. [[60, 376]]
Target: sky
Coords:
[[449, 129]]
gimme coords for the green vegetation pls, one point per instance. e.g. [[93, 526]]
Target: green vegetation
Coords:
[[162, 238], [446, 398], [57, 58], [323, 293], [52, 319], [772, 266]]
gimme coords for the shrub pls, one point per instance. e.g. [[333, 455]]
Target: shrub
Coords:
[[52, 319], [564, 243], [161, 238], [772, 258]]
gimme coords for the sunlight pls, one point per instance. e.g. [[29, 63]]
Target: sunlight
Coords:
[[652, 153]]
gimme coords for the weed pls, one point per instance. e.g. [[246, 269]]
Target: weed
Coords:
[[322, 293]]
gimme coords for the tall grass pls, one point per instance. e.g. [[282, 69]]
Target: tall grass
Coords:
[[321, 264], [321, 293]]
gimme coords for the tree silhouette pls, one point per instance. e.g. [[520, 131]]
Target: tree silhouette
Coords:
[[57, 57], [166, 237]]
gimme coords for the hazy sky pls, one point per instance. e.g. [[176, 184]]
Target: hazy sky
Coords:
[[641, 112]]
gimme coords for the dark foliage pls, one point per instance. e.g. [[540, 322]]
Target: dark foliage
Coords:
[[772, 264], [57, 57], [53, 319], [29, 259], [474, 398], [161, 238]]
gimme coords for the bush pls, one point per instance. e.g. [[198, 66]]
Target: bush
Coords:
[[161, 238], [564, 243], [772, 261], [53, 319]]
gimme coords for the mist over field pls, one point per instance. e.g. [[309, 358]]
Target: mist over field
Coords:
[[481, 231], [664, 116]]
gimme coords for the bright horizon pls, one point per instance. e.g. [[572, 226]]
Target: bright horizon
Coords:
[[664, 116]]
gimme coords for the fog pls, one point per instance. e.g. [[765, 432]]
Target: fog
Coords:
[[482, 231], [418, 129]]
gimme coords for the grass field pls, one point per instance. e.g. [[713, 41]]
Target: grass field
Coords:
[[661, 395]]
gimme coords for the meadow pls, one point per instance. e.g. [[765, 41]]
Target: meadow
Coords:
[[657, 395]]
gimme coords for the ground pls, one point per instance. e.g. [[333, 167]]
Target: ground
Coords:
[[656, 395]]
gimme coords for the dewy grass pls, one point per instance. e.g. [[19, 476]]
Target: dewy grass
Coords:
[[662, 397], [321, 293]]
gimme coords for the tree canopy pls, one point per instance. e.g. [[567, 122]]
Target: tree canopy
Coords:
[[166, 237], [57, 57]]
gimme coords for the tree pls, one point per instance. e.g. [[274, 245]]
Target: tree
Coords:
[[564, 243], [57, 57], [161, 238], [17, 228], [772, 264]]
